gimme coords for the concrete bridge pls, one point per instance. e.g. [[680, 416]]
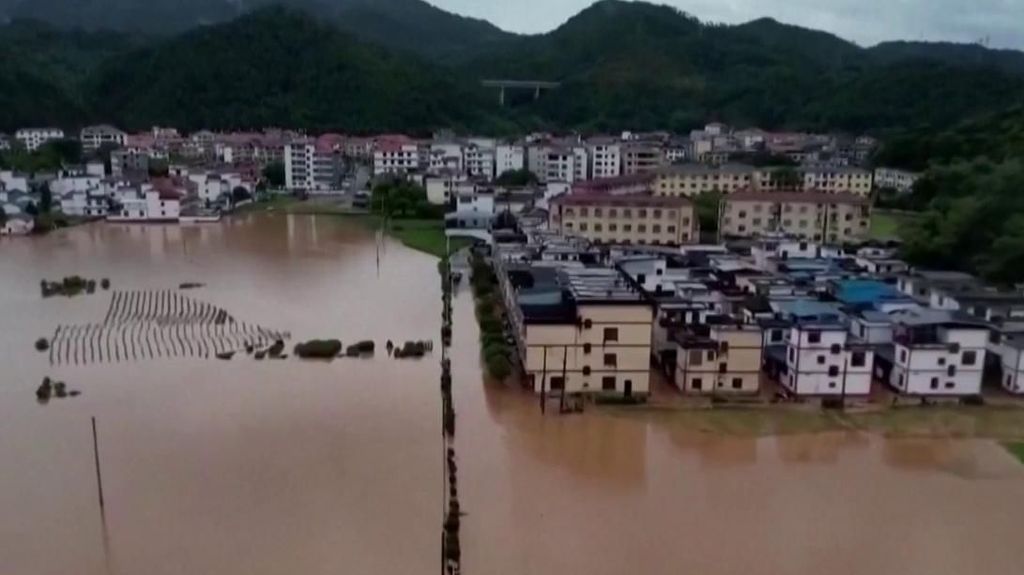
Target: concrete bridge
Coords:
[[535, 85]]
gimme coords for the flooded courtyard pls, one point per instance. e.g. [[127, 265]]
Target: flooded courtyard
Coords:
[[269, 467]]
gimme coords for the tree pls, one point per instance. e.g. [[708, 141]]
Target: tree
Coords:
[[3, 216], [517, 178], [274, 174], [239, 195], [45, 198], [785, 177], [708, 204], [400, 199]]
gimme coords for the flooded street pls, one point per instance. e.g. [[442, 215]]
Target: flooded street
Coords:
[[268, 467]]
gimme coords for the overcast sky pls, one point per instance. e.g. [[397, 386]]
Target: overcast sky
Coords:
[[866, 22]]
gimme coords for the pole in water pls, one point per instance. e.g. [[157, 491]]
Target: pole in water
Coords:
[[96, 457]]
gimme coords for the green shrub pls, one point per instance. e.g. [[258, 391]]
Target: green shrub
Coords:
[[318, 349], [499, 366]]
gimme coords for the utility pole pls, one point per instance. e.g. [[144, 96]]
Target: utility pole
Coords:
[[96, 458]]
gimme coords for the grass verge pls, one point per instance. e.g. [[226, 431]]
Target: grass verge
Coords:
[[887, 224], [1015, 448]]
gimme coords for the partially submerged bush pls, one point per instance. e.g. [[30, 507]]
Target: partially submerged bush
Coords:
[[42, 344], [318, 349], [105, 283]]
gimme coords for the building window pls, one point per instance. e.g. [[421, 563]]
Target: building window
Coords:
[[627, 227], [950, 385], [821, 360], [697, 383], [935, 383], [951, 370], [608, 383], [642, 228], [858, 359], [586, 370], [970, 358], [656, 228], [723, 368], [776, 336], [833, 370], [586, 349], [696, 358], [611, 334], [903, 356], [792, 355], [814, 337], [613, 228], [711, 356], [597, 212], [671, 229], [613, 213], [611, 360], [583, 226], [737, 383], [598, 227], [557, 382], [657, 214]]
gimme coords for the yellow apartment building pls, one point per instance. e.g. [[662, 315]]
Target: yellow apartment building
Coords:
[[628, 219], [822, 217]]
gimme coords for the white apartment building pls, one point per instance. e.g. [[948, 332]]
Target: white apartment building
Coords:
[[11, 181], [605, 159], [32, 138], [835, 179], [508, 158], [820, 361], [310, 169], [895, 179], [537, 160], [937, 354], [85, 203], [93, 137]]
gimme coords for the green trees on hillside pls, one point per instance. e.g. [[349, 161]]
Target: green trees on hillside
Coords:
[[402, 199], [973, 220]]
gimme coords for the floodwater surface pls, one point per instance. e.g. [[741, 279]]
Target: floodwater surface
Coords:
[[287, 466]]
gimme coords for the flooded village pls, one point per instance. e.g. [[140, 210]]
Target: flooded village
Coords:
[[245, 466]]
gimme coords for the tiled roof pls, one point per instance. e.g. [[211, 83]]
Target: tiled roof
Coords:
[[630, 200]]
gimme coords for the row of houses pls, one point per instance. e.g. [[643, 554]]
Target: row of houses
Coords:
[[778, 314]]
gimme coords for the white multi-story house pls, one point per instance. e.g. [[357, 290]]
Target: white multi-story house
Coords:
[[85, 203], [93, 137], [537, 159], [895, 179], [508, 158], [11, 181], [822, 360], [442, 188], [833, 179], [445, 157], [32, 138], [213, 187], [310, 168], [148, 205], [479, 160], [396, 155], [605, 158], [566, 164], [1007, 344], [937, 353], [5, 142]]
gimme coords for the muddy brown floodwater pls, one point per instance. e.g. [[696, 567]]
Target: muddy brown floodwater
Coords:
[[249, 467]]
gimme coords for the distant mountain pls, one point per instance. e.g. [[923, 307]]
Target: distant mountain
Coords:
[[411, 25], [622, 65], [275, 67], [960, 54], [647, 66]]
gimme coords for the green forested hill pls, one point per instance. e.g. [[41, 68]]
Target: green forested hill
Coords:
[[280, 68], [623, 65]]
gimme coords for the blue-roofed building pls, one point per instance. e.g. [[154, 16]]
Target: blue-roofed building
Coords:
[[869, 295]]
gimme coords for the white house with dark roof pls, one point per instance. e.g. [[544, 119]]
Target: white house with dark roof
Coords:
[[937, 353], [94, 137], [33, 138]]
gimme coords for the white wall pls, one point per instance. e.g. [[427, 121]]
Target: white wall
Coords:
[[815, 370], [925, 370], [508, 158]]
